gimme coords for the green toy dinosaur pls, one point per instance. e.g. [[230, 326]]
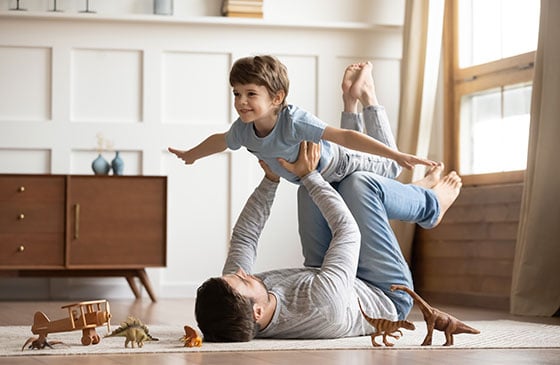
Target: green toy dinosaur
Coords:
[[134, 331]]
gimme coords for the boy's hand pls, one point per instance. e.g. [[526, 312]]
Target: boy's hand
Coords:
[[184, 155], [308, 159], [408, 161], [268, 172]]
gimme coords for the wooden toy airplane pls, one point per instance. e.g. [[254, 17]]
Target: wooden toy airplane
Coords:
[[85, 316]]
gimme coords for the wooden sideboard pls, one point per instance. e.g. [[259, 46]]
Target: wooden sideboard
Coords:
[[83, 225]]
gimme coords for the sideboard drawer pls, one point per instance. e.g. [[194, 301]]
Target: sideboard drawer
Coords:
[[31, 250], [32, 188], [32, 217], [32, 221]]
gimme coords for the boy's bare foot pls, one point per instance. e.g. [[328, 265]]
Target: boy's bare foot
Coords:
[[433, 176], [447, 190], [350, 74], [349, 77], [363, 87]]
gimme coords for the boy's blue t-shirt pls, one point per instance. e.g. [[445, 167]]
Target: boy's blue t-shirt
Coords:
[[293, 126]]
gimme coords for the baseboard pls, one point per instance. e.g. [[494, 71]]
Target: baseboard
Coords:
[[40, 289], [475, 300]]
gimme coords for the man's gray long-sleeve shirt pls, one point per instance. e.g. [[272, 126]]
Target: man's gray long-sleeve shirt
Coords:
[[311, 302]]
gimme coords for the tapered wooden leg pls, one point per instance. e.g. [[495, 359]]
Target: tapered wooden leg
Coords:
[[145, 280], [133, 286]]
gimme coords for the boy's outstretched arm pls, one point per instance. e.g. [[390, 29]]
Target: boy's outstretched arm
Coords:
[[214, 144], [364, 143]]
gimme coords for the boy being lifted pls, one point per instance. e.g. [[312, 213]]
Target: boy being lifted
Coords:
[[271, 129]]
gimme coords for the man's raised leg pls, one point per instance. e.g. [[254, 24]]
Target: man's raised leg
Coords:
[[314, 231], [381, 262], [373, 201]]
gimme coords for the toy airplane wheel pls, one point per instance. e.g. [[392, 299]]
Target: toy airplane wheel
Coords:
[[90, 336], [87, 340]]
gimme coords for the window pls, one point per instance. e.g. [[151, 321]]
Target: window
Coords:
[[495, 130], [489, 52]]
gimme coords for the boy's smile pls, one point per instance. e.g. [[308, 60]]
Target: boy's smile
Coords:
[[254, 104]]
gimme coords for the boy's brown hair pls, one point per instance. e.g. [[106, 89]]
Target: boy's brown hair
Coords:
[[265, 71]]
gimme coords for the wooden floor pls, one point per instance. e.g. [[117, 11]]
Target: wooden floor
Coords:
[[180, 312]]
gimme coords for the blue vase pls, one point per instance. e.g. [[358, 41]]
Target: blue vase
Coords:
[[100, 166], [117, 164]]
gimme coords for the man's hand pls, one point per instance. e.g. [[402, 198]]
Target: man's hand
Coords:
[[268, 172], [308, 159]]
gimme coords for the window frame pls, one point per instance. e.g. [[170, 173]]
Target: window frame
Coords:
[[459, 82]]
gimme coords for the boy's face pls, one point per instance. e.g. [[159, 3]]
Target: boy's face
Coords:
[[254, 104]]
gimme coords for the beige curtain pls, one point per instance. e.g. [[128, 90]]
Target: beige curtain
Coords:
[[422, 37], [536, 274]]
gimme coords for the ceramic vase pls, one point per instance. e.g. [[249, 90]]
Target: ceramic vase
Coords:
[[163, 7], [100, 166], [117, 164]]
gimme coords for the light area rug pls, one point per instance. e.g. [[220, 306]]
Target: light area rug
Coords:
[[498, 334]]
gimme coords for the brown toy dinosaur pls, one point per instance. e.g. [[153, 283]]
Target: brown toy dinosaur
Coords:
[[39, 343], [437, 319], [386, 328]]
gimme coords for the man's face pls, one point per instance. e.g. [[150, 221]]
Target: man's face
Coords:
[[247, 285]]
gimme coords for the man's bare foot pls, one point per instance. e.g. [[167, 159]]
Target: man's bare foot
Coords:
[[447, 190], [350, 74], [433, 176], [363, 87]]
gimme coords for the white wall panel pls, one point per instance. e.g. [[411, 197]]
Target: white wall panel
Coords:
[[195, 87], [25, 161], [302, 71], [25, 83], [106, 85], [279, 244], [386, 73], [198, 220]]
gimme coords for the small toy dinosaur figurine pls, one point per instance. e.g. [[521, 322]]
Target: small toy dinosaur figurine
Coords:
[[436, 319], [386, 328], [134, 331], [191, 338], [39, 343]]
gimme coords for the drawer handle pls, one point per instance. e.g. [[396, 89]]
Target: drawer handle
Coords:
[[21, 189], [21, 248], [76, 221], [21, 216]]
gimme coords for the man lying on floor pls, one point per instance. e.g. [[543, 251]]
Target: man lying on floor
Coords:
[[350, 252]]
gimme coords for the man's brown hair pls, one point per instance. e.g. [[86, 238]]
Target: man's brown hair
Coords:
[[222, 314]]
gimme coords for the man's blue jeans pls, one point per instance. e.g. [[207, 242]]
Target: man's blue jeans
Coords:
[[373, 200]]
